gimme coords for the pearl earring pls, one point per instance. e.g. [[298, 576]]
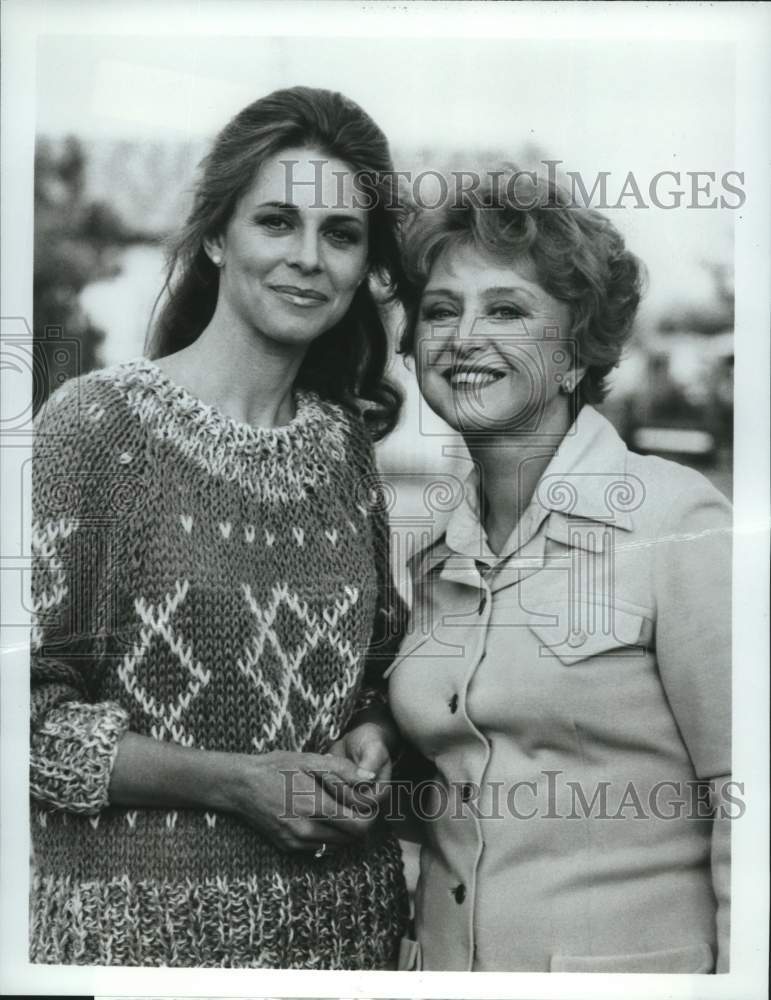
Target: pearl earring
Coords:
[[218, 261]]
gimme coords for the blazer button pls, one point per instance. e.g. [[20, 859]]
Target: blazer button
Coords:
[[576, 640], [453, 703], [459, 892]]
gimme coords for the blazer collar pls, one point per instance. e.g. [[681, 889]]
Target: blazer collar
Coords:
[[587, 479]]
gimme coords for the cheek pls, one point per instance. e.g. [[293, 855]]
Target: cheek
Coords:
[[433, 388], [259, 259], [424, 353], [563, 322], [348, 272], [558, 361]]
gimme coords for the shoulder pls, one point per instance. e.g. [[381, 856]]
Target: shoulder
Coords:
[[86, 419], [352, 421], [673, 492], [647, 487], [88, 402], [346, 425]]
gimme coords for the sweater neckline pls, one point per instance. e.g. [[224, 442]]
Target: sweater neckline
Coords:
[[275, 463], [216, 421]]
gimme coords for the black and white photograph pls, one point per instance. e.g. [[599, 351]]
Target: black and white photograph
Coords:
[[385, 519]]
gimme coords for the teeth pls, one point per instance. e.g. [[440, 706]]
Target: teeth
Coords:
[[474, 379]]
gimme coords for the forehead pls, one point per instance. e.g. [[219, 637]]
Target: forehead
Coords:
[[307, 179], [468, 268]]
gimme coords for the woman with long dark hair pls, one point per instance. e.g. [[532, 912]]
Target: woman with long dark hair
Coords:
[[211, 585]]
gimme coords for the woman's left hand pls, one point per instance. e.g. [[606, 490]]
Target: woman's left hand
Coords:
[[367, 746]]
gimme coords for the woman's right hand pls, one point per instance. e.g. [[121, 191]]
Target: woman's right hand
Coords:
[[292, 799], [283, 796]]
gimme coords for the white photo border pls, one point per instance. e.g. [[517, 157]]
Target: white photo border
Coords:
[[749, 27]]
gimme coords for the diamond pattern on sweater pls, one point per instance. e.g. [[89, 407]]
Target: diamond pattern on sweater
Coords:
[[44, 544], [291, 688], [157, 624]]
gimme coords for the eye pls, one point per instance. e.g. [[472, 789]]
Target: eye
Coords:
[[506, 310], [439, 312], [275, 223], [343, 237]]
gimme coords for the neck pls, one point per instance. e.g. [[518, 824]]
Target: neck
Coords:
[[243, 375], [510, 465]]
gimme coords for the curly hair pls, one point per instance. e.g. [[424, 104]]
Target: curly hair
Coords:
[[579, 258], [347, 363]]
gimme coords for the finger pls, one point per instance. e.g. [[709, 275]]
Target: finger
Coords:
[[312, 835], [372, 795], [368, 794], [372, 757], [340, 790], [337, 825], [331, 764], [383, 777], [364, 796], [332, 807], [346, 831], [337, 749], [367, 801], [309, 799]]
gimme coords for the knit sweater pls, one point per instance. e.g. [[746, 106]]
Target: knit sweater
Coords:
[[210, 583]]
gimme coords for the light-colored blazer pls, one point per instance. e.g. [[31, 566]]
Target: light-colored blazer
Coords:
[[570, 695]]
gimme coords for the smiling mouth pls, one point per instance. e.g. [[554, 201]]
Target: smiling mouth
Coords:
[[472, 377], [300, 296]]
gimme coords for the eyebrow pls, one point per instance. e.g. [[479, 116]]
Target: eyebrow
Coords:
[[278, 204], [488, 292], [508, 290], [288, 207]]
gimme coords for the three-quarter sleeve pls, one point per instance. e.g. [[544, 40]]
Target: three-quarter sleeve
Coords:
[[693, 647], [73, 737]]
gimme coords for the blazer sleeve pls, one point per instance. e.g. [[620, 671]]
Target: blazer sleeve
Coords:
[[73, 738], [692, 586]]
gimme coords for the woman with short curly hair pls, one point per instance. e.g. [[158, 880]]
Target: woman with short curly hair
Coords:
[[567, 668]]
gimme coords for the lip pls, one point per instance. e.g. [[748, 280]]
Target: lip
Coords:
[[300, 296]]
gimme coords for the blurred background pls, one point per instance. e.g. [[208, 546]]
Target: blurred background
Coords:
[[123, 121]]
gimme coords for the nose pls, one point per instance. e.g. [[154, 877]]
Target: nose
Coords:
[[452, 337], [303, 253]]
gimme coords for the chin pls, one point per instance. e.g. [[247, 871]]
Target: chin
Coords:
[[295, 335], [468, 419]]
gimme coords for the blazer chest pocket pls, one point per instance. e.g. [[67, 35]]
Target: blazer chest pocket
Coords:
[[578, 632]]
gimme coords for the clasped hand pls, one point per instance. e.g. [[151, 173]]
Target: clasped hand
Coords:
[[300, 801]]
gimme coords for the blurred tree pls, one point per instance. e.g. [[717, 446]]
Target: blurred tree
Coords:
[[711, 316], [76, 242]]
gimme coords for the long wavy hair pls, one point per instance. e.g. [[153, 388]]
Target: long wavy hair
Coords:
[[347, 363]]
